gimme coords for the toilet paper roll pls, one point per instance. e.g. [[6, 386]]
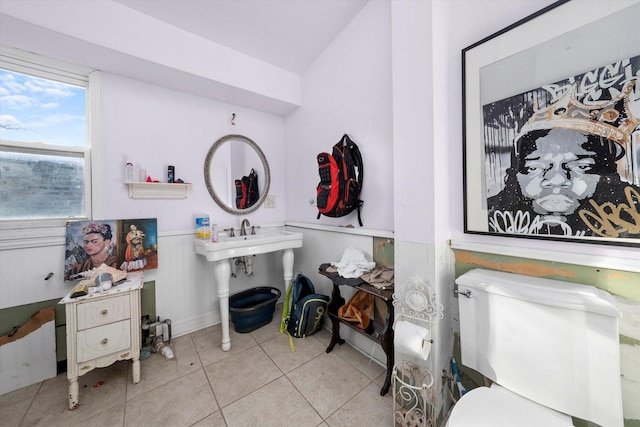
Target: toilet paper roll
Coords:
[[412, 339]]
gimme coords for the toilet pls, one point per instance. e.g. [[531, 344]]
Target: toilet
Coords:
[[550, 347]]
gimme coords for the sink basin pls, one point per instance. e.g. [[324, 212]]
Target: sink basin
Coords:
[[260, 243]]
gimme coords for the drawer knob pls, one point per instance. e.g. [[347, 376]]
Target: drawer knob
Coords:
[[104, 312], [104, 341]]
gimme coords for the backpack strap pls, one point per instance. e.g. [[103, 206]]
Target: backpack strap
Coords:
[[357, 161], [286, 308], [286, 314]]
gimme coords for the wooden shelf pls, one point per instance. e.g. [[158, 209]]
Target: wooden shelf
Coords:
[[375, 331], [157, 190], [382, 333]]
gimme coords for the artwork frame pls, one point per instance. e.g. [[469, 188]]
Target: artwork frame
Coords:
[[124, 244], [513, 85]]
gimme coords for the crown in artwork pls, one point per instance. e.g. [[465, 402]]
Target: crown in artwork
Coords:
[[612, 119]]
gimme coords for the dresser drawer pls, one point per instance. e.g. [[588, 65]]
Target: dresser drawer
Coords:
[[103, 311], [96, 342]]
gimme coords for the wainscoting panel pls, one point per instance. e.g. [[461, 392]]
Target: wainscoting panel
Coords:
[[184, 281]]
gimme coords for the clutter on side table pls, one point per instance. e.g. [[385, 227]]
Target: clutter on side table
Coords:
[[381, 277], [79, 291], [91, 276]]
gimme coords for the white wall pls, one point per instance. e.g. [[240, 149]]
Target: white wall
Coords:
[[422, 150], [346, 90], [158, 127]]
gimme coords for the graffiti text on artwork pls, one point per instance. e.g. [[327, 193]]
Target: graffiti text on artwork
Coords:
[[611, 220], [593, 85]]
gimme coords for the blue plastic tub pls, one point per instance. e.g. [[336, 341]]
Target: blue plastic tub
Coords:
[[253, 308]]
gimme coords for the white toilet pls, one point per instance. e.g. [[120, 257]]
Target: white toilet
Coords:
[[550, 347]]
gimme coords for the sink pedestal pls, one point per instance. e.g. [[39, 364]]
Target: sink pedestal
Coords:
[[222, 271], [221, 253]]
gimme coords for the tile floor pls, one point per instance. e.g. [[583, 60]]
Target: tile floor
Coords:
[[259, 382]]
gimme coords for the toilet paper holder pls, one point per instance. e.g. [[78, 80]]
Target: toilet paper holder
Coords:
[[414, 394]]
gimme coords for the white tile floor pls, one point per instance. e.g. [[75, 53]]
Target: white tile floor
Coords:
[[259, 382]]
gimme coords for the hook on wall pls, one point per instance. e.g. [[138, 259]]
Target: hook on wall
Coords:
[[233, 119]]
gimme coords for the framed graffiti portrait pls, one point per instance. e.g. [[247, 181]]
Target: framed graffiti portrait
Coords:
[[551, 112]]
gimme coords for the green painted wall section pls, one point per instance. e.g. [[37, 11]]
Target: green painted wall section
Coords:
[[18, 315], [383, 251], [629, 341], [622, 283], [148, 300]]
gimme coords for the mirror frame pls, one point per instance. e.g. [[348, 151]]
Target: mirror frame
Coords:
[[209, 184]]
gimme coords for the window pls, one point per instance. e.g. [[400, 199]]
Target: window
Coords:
[[45, 151]]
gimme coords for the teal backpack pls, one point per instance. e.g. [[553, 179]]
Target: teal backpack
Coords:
[[303, 309]]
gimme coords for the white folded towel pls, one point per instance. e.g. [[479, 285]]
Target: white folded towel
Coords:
[[353, 263]]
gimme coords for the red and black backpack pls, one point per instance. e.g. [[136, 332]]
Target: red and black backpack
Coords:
[[341, 173], [247, 193]]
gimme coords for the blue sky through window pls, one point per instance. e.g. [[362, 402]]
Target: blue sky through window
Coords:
[[33, 109]]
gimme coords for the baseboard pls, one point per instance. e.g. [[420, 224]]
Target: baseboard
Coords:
[[195, 323]]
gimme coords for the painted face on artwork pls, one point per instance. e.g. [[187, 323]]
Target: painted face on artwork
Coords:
[[559, 174], [94, 243]]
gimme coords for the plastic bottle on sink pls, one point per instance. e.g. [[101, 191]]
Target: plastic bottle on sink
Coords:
[[214, 232]]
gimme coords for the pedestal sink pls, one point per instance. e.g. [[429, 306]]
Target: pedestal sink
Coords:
[[226, 248]]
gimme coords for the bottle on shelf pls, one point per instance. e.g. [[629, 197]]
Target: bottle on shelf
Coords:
[[128, 170], [142, 174]]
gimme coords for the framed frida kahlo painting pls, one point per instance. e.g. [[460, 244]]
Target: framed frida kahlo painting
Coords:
[[551, 111], [124, 244]]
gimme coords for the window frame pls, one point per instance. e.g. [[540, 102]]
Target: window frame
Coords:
[[26, 233]]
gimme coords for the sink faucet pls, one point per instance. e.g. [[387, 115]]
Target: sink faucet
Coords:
[[243, 230]]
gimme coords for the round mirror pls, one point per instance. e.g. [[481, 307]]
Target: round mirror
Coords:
[[237, 175]]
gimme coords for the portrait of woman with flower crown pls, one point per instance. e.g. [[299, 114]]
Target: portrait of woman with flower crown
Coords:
[[570, 166], [89, 245]]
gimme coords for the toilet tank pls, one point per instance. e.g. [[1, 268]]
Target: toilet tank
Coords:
[[552, 342]]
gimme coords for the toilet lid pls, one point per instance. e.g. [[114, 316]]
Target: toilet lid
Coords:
[[499, 407]]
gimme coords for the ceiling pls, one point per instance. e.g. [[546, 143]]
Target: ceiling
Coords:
[[287, 33]]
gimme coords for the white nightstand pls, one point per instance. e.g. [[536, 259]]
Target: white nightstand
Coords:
[[102, 328]]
